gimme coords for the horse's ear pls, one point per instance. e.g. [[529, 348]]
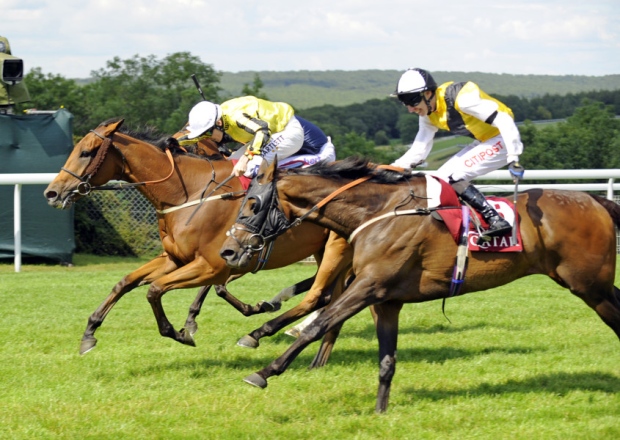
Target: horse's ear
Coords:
[[113, 127], [271, 169], [266, 172]]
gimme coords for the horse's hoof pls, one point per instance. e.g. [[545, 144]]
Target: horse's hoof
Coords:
[[293, 332], [248, 342], [87, 345], [265, 307], [186, 338], [269, 307], [256, 380]]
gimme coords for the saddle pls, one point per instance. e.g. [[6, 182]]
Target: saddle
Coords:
[[448, 209]]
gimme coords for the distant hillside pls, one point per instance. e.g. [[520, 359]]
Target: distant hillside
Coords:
[[305, 89]]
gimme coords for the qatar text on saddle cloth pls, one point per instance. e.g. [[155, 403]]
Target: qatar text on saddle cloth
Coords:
[[440, 193]]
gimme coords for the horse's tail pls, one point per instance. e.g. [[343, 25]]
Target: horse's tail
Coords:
[[612, 208]]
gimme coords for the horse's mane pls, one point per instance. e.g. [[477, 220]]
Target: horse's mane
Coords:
[[352, 168], [153, 136]]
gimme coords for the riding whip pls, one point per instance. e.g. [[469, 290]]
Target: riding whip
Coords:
[[198, 86]]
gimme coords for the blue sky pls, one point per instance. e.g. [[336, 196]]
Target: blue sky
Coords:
[[74, 37]]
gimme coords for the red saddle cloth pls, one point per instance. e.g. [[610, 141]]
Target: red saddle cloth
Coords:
[[245, 181], [452, 217]]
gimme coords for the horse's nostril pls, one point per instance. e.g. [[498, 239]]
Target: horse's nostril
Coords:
[[225, 253], [51, 195]]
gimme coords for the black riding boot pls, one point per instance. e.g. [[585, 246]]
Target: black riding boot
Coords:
[[497, 225]]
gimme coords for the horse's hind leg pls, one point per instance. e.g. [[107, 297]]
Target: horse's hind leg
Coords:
[[287, 293], [609, 310], [600, 294], [314, 300], [329, 279], [195, 274], [326, 348], [143, 275]]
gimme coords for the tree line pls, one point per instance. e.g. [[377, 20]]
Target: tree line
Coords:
[[306, 89], [159, 93]]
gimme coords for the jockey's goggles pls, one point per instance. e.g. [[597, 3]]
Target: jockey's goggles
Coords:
[[411, 99]]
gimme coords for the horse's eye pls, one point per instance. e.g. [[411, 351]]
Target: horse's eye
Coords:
[[86, 153], [256, 205]]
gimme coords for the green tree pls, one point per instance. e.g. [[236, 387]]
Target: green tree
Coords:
[[149, 91], [51, 92], [590, 138], [381, 138], [255, 89], [407, 126], [355, 144]]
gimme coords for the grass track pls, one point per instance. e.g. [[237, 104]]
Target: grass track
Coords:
[[523, 361]]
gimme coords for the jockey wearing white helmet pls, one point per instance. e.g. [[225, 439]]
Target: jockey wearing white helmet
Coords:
[[267, 128], [465, 110]]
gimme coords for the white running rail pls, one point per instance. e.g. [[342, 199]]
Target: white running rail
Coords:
[[501, 175]]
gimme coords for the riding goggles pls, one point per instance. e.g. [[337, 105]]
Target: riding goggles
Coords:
[[410, 99]]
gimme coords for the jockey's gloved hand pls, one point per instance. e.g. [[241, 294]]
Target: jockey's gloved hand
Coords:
[[253, 165], [516, 170]]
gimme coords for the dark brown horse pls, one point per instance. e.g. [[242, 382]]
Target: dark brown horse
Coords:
[[191, 233], [568, 236]]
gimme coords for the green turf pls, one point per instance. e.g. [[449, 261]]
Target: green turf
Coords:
[[524, 361]]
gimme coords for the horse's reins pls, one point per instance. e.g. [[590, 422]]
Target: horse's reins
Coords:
[[84, 187], [202, 199], [266, 242], [416, 211]]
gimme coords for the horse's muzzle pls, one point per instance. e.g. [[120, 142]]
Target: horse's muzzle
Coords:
[[55, 199], [235, 258]]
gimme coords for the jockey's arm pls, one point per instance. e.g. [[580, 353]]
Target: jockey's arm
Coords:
[[488, 111], [256, 127], [510, 134], [421, 146]]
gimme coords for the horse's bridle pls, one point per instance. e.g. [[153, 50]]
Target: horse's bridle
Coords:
[[266, 223], [269, 220], [84, 187]]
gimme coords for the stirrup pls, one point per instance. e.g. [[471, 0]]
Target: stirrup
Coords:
[[487, 235], [500, 227]]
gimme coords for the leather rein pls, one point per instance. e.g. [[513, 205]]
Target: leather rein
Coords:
[[265, 240]]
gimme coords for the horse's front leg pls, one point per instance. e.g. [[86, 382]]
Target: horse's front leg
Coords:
[[311, 302], [387, 333], [263, 306], [191, 325], [330, 275], [358, 296], [143, 275], [195, 274]]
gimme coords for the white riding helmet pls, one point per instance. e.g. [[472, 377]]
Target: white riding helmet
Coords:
[[202, 117], [414, 81]]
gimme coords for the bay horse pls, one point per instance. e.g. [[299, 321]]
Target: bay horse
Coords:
[[566, 235], [191, 231]]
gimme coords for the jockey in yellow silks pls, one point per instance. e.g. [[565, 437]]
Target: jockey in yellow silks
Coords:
[[463, 109], [268, 129]]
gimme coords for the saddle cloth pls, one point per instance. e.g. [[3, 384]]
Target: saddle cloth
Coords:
[[245, 181], [441, 194]]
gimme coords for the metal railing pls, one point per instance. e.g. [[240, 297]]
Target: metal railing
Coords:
[[609, 188]]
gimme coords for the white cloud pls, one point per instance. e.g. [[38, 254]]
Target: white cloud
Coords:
[[74, 37]]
